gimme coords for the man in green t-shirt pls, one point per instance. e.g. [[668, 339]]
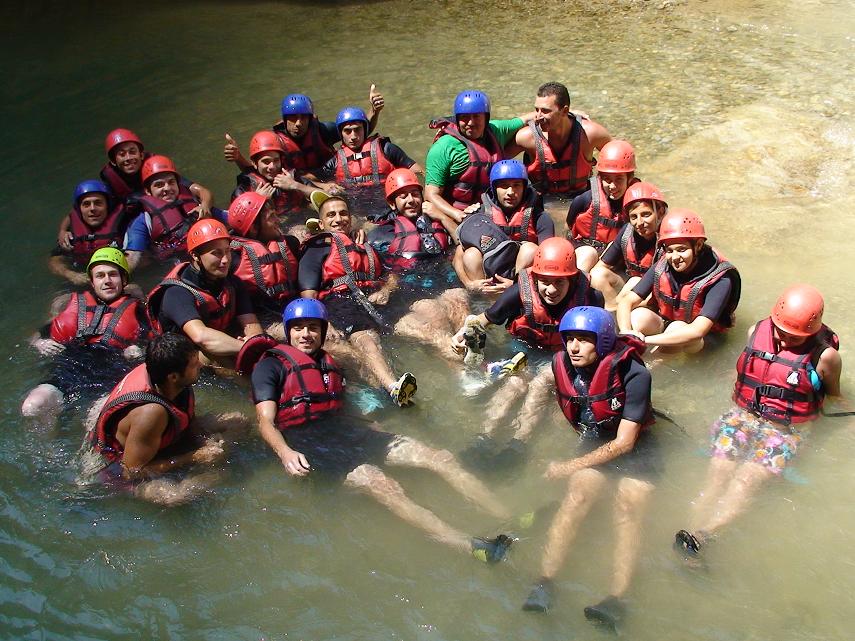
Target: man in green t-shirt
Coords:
[[458, 163]]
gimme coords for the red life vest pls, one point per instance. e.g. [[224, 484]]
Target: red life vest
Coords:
[[312, 387], [85, 240], [311, 152], [636, 264], [407, 243], [269, 270], [367, 167], [686, 304], [473, 182], [598, 225], [97, 323], [522, 225], [605, 396], [120, 183], [132, 391], [567, 174], [169, 222], [776, 385], [537, 326], [284, 200], [217, 313], [347, 262]]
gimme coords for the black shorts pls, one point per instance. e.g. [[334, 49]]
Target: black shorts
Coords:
[[644, 462], [85, 372], [349, 316], [334, 449]]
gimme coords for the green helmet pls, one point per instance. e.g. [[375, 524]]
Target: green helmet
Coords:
[[110, 255]]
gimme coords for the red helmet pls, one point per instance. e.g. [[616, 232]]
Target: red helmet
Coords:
[[244, 210], [555, 257], [204, 231], [265, 141], [157, 165], [400, 179], [681, 224], [642, 191], [616, 157], [118, 136], [798, 311]]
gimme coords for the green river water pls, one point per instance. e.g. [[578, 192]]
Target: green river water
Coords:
[[740, 109]]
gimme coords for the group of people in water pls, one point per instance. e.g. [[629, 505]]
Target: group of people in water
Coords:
[[296, 300]]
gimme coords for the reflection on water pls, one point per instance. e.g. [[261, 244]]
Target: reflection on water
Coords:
[[741, 110]]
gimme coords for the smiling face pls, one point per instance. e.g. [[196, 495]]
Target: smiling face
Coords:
[[213, 258], [93, 209], [353, 135], [552, 289], [268, 164], [267, 224], [682, 253], [581, 348], [643, 218], [408, 201], [472, 126], [335, 216], [614, 184], [163, 186], [128, 157], [549, 113], [305, 334], [107, 281]]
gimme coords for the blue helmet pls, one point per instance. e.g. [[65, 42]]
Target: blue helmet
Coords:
[[351, 114], [471, 102], [305, 308], [594, 320], [508, 170], [90, 187], [296, 104]]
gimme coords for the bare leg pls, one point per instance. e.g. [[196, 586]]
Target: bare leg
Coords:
[[525, 256], [646, 321], [388, 492], [225, 424], [631, 502], [742, 488], [435, 321], [586, 257], [692, 347], [583, 488], [171, 493], [509, 393], [608, 282], [44, 402], [719, 473], [473, 264], [630, 283], [535, 402], [372, 364], [409, 452]]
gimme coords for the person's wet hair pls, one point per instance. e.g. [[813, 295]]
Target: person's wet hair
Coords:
[[167, 354], [562, 96]]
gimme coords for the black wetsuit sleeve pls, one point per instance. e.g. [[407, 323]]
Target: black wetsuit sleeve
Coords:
[[396, 155], [545, 227], [293, 244], [309, 273], [613, 256], [596, 298], [507, 307], [329, 132], [243, 303], [177, 308], [637, 383], [716, 299], [268, 377], [580, 203], [645, 285]]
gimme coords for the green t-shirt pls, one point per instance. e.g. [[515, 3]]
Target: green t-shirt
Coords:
[[448, 157]]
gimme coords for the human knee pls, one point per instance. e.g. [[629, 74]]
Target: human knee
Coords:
[[42, 400]]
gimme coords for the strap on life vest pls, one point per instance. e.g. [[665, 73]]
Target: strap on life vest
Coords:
[[351, 277], [90, 330], [372, 153]]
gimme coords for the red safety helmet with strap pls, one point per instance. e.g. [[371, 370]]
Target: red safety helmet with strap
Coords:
[[117, 137], [244, 210], [157, 164], [555, 257], [204, 231]]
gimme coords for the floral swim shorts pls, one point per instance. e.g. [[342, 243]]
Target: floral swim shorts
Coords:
[[739, 434]]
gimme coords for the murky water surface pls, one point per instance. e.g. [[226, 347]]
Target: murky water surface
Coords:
[[741, 110]]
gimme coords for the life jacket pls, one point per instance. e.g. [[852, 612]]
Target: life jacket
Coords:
[[636, 265], [567, 174], [217, 313], [284, 200], [537, 325], [305, 395], [468, 186], [347, 262], [367, 167], [269, 270], [86, 240], [132, 391], [408, 243], [605, 395], [521, 225], [686, 304], [311, 152], [95, 322], [169, 221], [120, 184], [598, 225], [776, 385]]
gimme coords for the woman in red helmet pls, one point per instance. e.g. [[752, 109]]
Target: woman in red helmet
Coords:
[[694, 290], [786, 370]]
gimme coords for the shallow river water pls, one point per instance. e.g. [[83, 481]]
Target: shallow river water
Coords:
[[742, 110]]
